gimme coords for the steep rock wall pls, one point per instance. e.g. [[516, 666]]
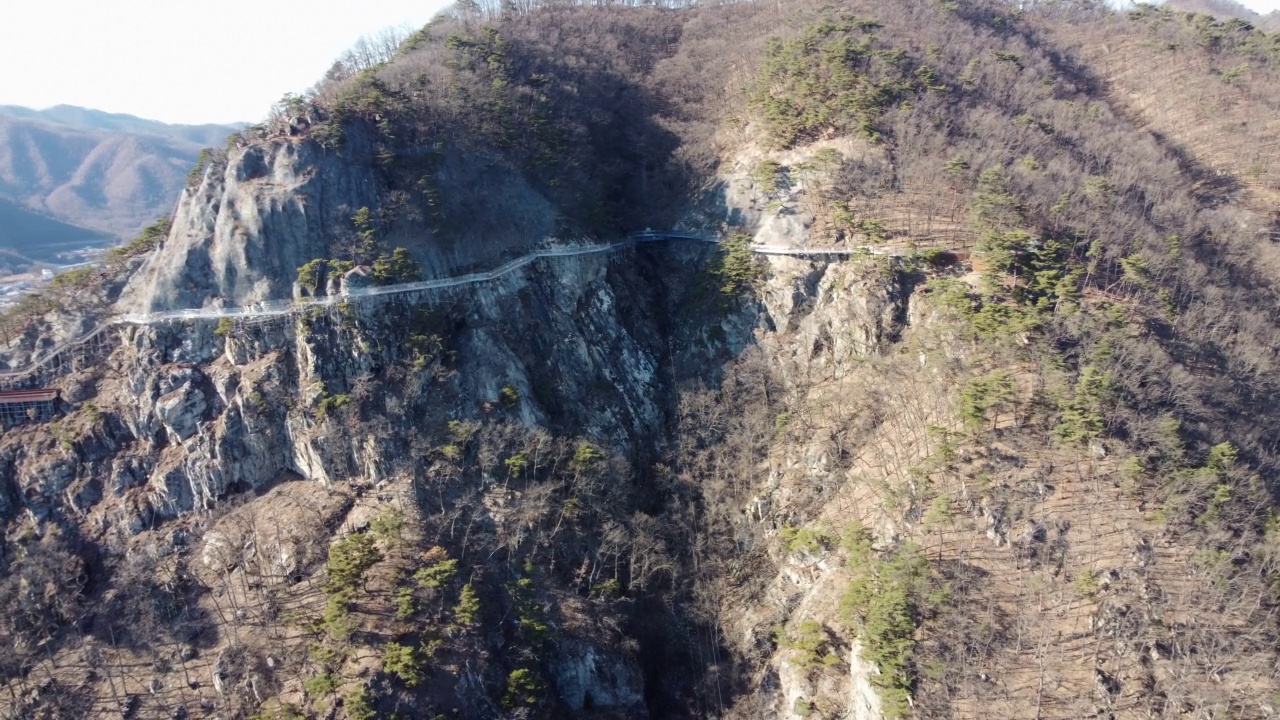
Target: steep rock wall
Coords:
[[240, 234]]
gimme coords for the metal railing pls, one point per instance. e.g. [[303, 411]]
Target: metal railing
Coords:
[[69, 353]]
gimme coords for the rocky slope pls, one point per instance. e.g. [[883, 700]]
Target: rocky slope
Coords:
[[1014, 462]]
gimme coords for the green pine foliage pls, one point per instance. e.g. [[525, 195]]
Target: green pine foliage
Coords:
[[437, 575], [397, 268], [534, 627], [524, 688], [467, 612], [769, 177], [982, 398], [147, 240], [330, 404], [834, 77], [313, 274], [202, 162], [887, 600], [586, 458], [404, 662], [737, 268], [349, 560], [509, 396], [358, 705], [811, 645], [808, 540], [1083, 413]]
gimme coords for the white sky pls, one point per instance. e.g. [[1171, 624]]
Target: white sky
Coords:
[[193, 62], [183, 62]]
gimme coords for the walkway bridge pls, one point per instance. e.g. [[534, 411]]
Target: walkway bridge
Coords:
[[79, 352]]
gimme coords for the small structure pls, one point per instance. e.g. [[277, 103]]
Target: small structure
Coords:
[[18, 407]]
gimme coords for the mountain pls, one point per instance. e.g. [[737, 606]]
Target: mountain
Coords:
[[79, 118], [40, 238], [106, 173], [968, 409], [1230, 9]]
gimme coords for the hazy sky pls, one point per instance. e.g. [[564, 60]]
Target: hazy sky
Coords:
[[192, 62], [188, 62]]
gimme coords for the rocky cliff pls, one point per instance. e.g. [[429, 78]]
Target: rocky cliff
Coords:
[[266, 209], [1001, 451]]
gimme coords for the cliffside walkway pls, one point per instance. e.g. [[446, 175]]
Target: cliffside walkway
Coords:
[[75, 352]]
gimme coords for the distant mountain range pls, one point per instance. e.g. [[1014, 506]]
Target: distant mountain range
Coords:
[[71, 175], [1230, 9]]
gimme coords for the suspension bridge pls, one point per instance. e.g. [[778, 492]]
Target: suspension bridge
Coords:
[[81, 351]]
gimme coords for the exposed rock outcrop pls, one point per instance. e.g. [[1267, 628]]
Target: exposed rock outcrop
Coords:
[[239, 236]]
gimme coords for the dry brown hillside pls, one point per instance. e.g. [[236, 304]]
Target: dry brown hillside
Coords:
[[1006, 449]]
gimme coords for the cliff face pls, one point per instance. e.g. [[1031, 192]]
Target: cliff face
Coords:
[[179, 418], [383, 395], [271, 206], [995, 446], [241, 232]]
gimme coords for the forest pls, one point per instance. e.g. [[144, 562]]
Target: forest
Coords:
[[1020, 462]]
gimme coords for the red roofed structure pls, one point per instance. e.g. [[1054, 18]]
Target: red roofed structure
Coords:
[[18, 407]]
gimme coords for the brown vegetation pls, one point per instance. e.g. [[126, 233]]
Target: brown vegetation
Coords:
[[1041, 484]]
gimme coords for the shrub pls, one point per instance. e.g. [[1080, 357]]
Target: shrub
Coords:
[[737, 268], [197, 173], [332, 403], [768, 176], [310, 273], [831, 77], [982, 395], [509, 396], [467, 611], [388, 526], [320, 686], [800, 539], [886, 599], [398, 268], [273, 709], [146, 241], [406, 603], [357, 705], [516, 465], [337, 619], [425, 348], [1007, 57], [1086, 583], [533, 626], [585, 458], [811, 645], [436, 576], [1082, 415], [404, 662], [608, 589], [523, 688], [225, 327], [313, 273], [780, 424], [349, 559]]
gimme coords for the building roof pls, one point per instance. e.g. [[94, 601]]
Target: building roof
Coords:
[[19, 396]]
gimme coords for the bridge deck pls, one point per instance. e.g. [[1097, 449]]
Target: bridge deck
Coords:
[[54, 363]]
